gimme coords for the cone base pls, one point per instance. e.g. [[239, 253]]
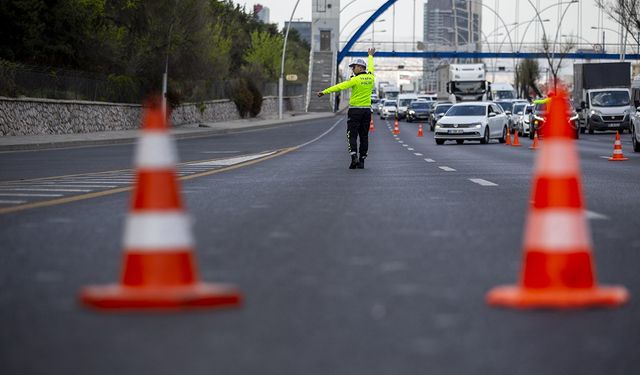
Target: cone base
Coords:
[[518, 297], [618, 159], [200, 295], [532, 148], [515, 145]]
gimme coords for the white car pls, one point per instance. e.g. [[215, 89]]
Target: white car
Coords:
[[476, 121], [635, 130], [389, 109]]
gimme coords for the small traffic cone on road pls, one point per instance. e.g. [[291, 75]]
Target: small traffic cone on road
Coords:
[[516, 140], [535, 141], [617, 150], [159, 266], [371, 126], [420, 132], [396, 128], [558, 269], [508, 142]]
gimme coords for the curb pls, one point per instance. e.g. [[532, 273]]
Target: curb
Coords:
[[125, 140]]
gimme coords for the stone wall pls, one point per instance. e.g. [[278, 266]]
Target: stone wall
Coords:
[[46, 116]]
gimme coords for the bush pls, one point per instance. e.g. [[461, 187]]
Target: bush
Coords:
[[246, 96]]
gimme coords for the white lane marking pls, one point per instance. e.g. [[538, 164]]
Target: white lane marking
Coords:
[[56, 186], [409, 149], [417, 154], [40, 189], [321, 135], [405, 145], [399, 141], [28, 195], [429, 160], [446, 169], [220, 152], [91, 182], [605, 157], [237, 160], [482, 182], [595, 216], [12, 202]]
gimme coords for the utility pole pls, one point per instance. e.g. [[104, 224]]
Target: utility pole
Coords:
[[284, 51]]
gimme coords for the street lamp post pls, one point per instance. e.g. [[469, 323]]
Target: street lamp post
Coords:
[[284, 51]]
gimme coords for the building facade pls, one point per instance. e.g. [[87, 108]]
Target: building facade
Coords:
[[303, 29], [261, 13], [449, 25]]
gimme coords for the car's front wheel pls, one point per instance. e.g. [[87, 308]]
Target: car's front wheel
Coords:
[[439, 141], [485, 137], [503, 138], [634, 140], [459, 141]]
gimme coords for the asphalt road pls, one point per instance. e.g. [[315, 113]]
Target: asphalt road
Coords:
[[375, 271]]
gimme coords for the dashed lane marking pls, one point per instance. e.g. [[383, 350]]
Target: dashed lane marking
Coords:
[[29, 195], [595, 216], [2, 189], [417, 154], [11, 202], [410, 149], [482, 182], [446, 169], [429, 160], [404, 145]]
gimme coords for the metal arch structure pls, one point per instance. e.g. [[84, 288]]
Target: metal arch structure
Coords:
[[347, 47], [492, 55]]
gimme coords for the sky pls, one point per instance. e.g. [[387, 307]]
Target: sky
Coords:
[[280, 10]]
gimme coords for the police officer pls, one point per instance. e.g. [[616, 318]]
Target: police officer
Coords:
[[359, 115]]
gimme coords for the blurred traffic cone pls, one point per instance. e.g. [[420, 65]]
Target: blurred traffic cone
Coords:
[[516, 140], [371, 126], [617, 150], [420, 132], [508, 143], [535, 141], [558, 269], [396, 128], [159, 267]]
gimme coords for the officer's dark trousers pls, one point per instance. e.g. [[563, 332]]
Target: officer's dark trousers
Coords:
[[358, 126]]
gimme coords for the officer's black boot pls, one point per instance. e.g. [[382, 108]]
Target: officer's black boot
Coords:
[[354, 161], [361, 161]]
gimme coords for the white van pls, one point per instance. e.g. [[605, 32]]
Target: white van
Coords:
[[403, 102], [502, 91]]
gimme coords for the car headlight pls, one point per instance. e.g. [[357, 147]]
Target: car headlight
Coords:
[[476, 125], [412, 112], [595, 113]]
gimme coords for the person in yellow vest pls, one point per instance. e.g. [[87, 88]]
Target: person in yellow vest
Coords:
[[359, 114]]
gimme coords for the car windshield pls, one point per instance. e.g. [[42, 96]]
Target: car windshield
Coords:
[[405, 102], [442, 108], [506, 106], [610, 99], [390, 103], [420, 105], [519, 108], [467, 110], [503, 94], [529, 109]]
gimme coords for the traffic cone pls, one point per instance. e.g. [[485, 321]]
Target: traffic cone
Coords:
[[617, 150], [396, 128], [159, 269], [535, 141], [558, 269], [420, 132], [371, 126], [508, 143], [516, 140]]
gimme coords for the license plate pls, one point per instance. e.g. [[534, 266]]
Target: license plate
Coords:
[[455, 131], [614, 125]]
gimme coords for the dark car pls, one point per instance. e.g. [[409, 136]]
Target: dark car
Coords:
[[437, 113], [538, 118], [418, 110]]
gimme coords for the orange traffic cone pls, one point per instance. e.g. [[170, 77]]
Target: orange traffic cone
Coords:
[[535, 141], [396, 128], [508, 143], [516, 140], [371, 126], [159, 267], [617, 150], [558, 269], [420, 132]]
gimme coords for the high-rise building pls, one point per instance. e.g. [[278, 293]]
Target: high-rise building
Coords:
[[450, 25], [261, 13]]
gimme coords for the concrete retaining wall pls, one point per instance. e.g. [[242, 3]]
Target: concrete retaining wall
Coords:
[[46, 116]]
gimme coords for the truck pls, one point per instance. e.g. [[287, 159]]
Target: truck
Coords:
[[462, 83], [602, 92], [389, 92]]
